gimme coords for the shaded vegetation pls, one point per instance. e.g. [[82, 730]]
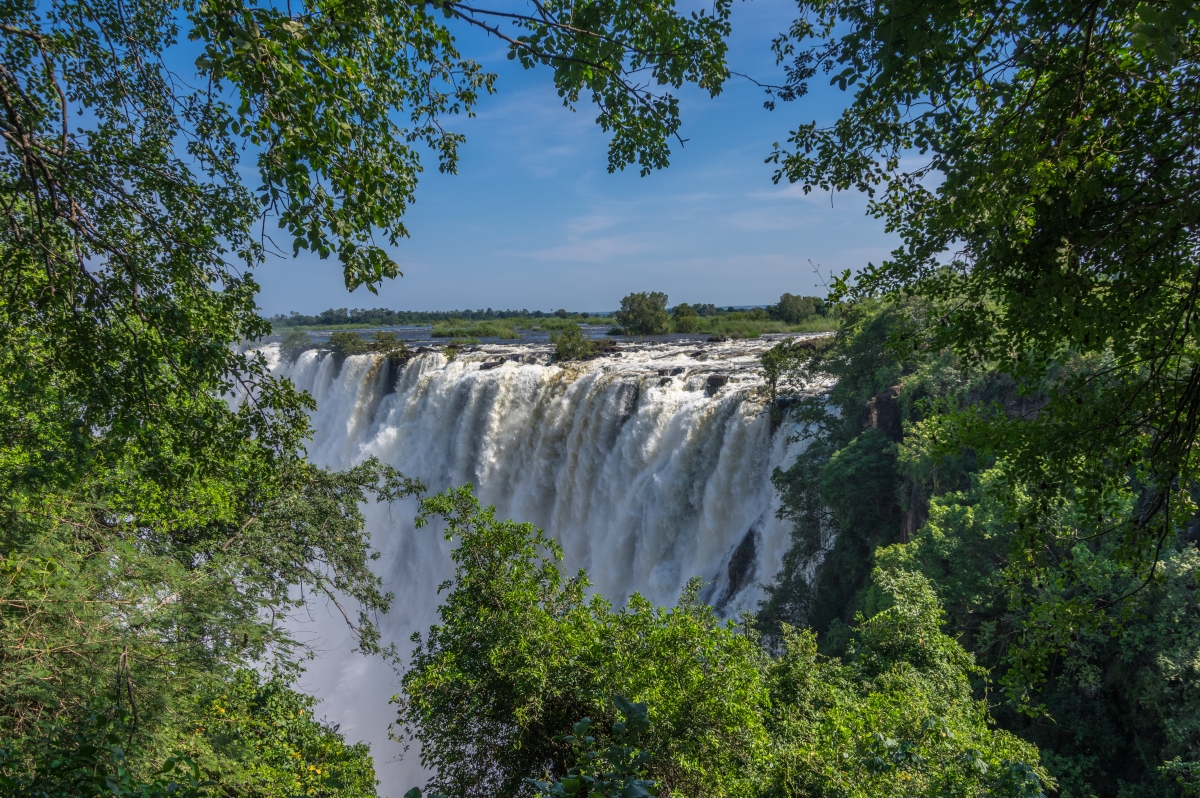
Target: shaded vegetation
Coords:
[[1106, 693]]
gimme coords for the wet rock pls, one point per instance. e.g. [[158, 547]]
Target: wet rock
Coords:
[[717, 339], [740, 572], [714, 383], [883, 413], [491, 364]]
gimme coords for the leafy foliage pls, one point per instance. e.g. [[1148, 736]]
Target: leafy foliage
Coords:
[[796, 309], [897, 717], [345, 344], [1090, 653], [295, 343], [1039, 162], [520, 650], [242, 736], [571, 343], [644, 314], [618, 771]]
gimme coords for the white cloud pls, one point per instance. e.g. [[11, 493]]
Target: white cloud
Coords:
[[591, 223], [591, 250]]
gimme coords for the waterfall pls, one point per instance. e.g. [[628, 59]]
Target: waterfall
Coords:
[[649, 465]]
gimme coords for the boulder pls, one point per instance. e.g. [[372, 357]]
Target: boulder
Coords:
[[714, 383]]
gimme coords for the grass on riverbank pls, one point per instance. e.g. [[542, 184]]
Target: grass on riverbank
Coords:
[[734, 325], [507, 328]]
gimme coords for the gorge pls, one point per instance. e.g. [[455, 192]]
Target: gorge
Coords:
[[650, 465]]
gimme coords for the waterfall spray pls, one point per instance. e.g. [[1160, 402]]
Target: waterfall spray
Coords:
[[649, 466]]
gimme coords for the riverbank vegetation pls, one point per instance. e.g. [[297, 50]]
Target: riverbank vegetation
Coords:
[[721, 322], [647, 314], [348, 319]]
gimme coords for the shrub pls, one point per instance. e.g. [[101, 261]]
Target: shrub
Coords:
[[687, 320], [344, 344], [294, 344], [687, 324], [570, 343], [644, 313], [486, 329]]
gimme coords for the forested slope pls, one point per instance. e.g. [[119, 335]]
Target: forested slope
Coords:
[[1089, 656]]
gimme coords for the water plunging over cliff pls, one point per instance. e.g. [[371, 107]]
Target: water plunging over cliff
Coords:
[[649, 466]]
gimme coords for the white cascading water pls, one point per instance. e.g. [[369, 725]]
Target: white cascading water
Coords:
[[641, 464]]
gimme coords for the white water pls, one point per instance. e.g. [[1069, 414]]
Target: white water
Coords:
[[643, 473]]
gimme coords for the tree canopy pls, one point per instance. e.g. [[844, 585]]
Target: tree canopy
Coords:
[[1038, 161], [520, 652], [159, 519], [644, 313]]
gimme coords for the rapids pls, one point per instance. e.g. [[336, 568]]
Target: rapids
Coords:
[[649, 465]]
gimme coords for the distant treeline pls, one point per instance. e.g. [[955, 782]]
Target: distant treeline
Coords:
[[385, 317]]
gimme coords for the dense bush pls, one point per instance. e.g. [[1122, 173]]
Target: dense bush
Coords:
[[1092, 654], [685, 319], [243, 735], [294, 344], [644, 314], [794, 309], [571, 343], [520, 651], [687, 324], [345, 344], [897, 717]]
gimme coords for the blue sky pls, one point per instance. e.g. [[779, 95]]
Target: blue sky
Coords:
[[534, 220]]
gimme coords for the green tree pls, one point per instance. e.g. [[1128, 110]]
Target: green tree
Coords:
[[345, 343], [520, 651], [1091, 655], [644, 314], [265, 741], [294, 343], [145, 610], [794, 309], [685, 318], [158, 518], [618, 771], [248, 735], [1038, 160], [897, 717]]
